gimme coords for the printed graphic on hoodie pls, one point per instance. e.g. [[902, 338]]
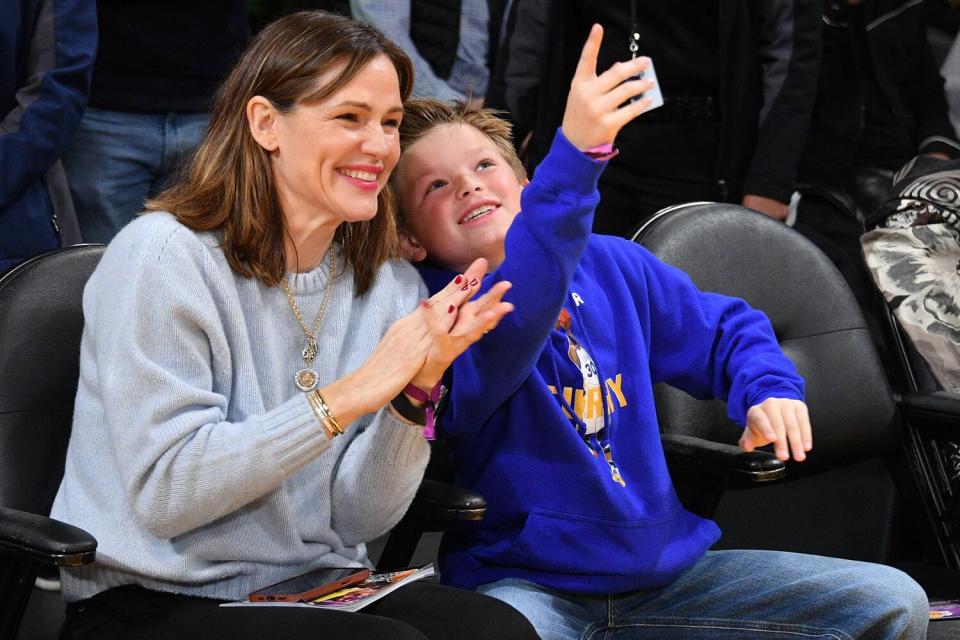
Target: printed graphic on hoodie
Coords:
[[588, 417]]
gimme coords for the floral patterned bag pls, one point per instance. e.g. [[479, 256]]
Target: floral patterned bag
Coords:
[[914, 259]]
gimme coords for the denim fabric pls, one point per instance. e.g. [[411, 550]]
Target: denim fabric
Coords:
[[738, 595], [118, 160]]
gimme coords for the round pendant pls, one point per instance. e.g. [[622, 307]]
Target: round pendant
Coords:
[[306, 379]]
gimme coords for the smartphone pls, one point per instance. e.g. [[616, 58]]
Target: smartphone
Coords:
[[654, 94], [310, 585]]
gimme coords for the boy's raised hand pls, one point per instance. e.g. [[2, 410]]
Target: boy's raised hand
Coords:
[[594, 114]]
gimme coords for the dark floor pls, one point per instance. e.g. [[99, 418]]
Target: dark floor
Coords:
[[45, 611]]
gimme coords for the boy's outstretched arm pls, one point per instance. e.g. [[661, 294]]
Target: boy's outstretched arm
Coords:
[[544, 244], [784, 422], [715, 346]]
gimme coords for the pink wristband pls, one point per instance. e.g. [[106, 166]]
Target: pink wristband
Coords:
[[430, 401], [602, 152]]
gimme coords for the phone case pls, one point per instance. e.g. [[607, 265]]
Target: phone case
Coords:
[[311, 593]]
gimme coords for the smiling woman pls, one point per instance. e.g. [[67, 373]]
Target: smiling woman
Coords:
[[331, 158], [252, 363], [268, 140]]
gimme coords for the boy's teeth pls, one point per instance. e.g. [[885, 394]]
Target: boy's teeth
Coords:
[[360, 175], [479, 211]]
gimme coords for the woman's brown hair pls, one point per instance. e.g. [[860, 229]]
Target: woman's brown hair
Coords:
[[229, 184]]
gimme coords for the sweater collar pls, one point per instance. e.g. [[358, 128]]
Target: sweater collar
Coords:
[[315, 280]]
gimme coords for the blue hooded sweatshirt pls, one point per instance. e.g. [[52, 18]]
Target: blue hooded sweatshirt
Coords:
[[552, 416]]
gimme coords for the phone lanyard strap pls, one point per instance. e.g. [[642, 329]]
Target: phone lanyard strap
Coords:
[[634, 39]]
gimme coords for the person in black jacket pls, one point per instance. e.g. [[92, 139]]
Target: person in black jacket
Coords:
[[738, 80], [880, 102]]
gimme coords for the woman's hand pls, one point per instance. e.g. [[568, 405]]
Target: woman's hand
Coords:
[[458, 322], [594, 114], [780, 421], [420, 346]]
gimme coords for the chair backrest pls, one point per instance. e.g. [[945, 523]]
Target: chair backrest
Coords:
[[731, 250], [41, 320]]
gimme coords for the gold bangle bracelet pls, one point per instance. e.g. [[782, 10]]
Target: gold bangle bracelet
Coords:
[[322, 412], [331, 421], [318, 413]]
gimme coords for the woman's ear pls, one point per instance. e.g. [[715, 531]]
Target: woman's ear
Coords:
[[262, 118], [410, 248]]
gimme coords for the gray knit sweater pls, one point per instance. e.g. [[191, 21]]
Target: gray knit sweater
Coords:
[[194, 460]]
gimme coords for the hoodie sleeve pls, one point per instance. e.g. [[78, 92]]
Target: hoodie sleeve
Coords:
[[711, 345], [543, 248]]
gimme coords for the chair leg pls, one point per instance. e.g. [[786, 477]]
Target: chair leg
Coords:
[[16, 584], [400, 545]]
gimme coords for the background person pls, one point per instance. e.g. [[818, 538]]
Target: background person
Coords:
[[879, 102], [157, 68], [738, 80], [447, 41], [46, 55]]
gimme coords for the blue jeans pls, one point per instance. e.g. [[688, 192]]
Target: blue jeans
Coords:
[[117, 160], [736, 595]]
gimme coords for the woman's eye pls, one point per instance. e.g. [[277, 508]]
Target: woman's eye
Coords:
[[436, 184], [392, 123], [349, 117]]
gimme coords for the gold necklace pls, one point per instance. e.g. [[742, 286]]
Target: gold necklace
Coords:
[[306, 378]]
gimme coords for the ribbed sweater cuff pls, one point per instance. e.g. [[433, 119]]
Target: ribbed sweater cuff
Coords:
[[397, 443], [294, 434]]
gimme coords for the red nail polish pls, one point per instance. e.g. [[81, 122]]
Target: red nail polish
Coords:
[[451, 309], [464, 287], [474, 282], [458, 280]]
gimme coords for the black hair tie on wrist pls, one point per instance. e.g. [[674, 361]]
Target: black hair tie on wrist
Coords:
[[402, 405]]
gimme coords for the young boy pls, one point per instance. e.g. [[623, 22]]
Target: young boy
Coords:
[[552, 416]]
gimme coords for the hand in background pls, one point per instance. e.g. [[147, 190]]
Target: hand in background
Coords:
[[780, 421], [768, 206], [594, 114]]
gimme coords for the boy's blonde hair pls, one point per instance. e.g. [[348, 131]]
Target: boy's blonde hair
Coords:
[[423, 115]]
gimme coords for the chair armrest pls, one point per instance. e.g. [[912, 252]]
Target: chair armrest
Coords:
[[753, 466], [446, 502], [35, 537], [938, 409]]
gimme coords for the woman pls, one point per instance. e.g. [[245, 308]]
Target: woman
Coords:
[[239, 351]]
